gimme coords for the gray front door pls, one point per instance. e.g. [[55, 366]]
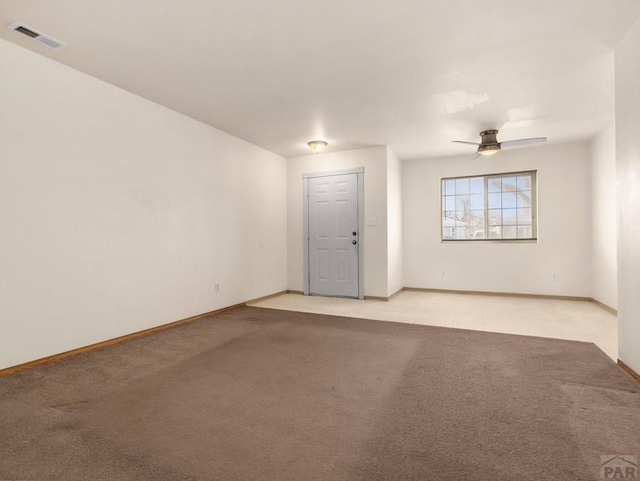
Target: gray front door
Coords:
[[333, 235]]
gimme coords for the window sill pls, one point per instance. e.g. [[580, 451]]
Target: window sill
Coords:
[[489, 241]]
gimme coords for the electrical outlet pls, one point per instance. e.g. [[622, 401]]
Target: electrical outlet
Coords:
[[217, 287], [554, 277]]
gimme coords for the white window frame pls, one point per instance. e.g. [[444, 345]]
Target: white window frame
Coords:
[[486, 178]]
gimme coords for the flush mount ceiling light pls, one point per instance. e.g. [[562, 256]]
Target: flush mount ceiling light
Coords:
[[317, 146]]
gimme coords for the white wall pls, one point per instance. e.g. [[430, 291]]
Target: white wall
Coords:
[[374, 161], [119, 214], [395, 280], [564, 226], [628, 175], [604, 268]]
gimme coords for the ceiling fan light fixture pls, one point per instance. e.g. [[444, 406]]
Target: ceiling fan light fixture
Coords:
[[488, 149], [489, 144], [317, 146]]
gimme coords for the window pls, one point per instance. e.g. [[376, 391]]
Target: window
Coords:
[[493, 207]]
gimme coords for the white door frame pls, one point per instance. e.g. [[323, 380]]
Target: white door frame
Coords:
[[305, 243]]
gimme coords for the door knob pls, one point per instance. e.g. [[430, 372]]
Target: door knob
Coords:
[[354, 233], [354, 241]]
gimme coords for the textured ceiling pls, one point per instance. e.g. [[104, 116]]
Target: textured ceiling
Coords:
[[411, 74]]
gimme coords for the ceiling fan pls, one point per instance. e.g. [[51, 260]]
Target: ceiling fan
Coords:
[[489, 144]]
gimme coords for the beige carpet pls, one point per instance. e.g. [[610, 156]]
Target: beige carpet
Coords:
[[258, 394]]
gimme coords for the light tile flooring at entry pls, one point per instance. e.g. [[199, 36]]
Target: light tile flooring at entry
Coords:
[[560, 319]]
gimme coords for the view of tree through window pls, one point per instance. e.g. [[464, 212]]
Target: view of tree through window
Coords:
[[500, 207]]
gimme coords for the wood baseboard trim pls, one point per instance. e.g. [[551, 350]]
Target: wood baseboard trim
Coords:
[[397, 293], [634, 374], [385, 299], [500, 294], [115, 340], [289, 291], [264, 298], [602, 305]]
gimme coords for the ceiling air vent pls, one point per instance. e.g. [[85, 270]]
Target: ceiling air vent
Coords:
[[47, 40]]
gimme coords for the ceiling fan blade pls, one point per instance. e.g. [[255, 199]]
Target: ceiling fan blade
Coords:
[[518, 142], [465, 142]]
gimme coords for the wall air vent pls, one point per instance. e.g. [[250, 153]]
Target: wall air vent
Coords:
[[32, 33]]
